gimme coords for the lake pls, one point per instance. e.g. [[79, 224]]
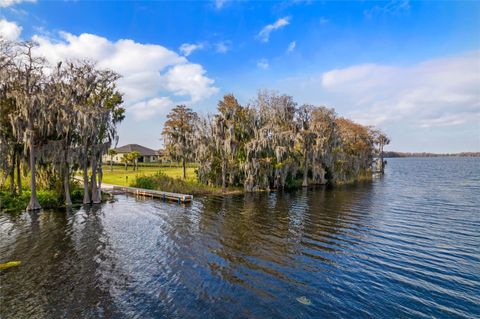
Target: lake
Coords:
[[406, 245]]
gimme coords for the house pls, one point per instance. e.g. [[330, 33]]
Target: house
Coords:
[[147, 155]]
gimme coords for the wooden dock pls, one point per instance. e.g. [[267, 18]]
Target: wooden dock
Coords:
[[180, 198]]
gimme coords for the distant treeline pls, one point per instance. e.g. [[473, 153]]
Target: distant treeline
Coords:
[[424, 154]]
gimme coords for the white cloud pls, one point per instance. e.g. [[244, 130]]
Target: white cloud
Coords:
[[156, 106], [438, 92], [393, 7], [291, 46], [189, 48], [219, 4], [152, 75], [264, 34], [263, 64], [9, 30], [189, 80], [447, 120], [222, 46], [8, 3]]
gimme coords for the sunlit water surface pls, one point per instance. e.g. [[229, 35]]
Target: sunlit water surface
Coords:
[[404, 246]]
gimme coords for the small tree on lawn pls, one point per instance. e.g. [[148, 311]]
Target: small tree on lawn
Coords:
[[125, 159], [112, 154], [134, 156]]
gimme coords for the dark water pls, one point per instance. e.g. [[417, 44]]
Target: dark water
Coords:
[[405, 246]]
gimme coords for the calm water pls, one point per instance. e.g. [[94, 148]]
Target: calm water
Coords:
[[405, 246]]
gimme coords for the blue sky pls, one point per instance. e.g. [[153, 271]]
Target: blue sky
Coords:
[[411, 68]]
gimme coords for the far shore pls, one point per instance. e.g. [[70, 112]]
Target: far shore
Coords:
[[393, 154]]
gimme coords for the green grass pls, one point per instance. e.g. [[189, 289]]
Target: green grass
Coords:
[[156, 164], [119, 176], [161, 181], [167, 179], [50, 199]]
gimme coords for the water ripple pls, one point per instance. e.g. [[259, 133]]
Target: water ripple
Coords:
[[407, 245]]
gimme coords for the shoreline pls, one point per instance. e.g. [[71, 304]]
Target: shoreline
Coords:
[[194, 189]]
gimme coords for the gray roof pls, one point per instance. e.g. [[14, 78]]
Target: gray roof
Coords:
[[144, 151]]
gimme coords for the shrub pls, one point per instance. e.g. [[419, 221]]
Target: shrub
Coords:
[[77, 195], [146, 182], [48, 199], [165, 183]]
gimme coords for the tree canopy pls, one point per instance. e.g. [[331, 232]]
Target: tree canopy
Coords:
[[178, 134], [272, 143], [59, 117]]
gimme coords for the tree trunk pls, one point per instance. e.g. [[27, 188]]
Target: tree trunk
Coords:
[[19, 175], [382, 165], [224, 174], [305, 170], [66, 184], [126, 166], [66, 173], [277, 179], [86, 195], [184, 168], [33, 204], [100, 176], [12, 175], [111, 164], [95, 193]]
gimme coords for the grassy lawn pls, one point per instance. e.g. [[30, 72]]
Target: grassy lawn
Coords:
[[119, 175], [170, 180]]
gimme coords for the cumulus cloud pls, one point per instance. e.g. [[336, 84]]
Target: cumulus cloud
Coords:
[[263, 64], [439, 92], [152, 75], [189, 80], [9, 30], [291, 46], [189, 48], [8, 3], [264, 34], [155, 106]]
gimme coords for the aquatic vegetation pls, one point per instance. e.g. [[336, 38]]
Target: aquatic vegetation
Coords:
[[46, 198], [10, 264]]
